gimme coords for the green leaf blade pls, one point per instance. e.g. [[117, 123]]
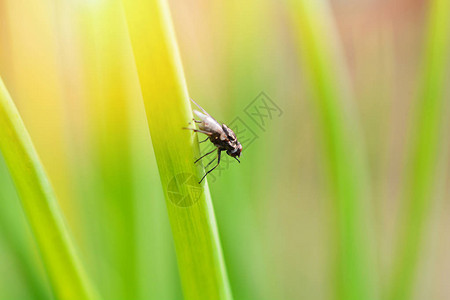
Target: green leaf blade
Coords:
[[40, 206], [200, 259]]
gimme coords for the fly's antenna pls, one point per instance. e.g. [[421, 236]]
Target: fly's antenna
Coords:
[[200, 107]]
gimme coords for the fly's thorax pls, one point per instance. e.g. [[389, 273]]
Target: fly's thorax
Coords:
[[215, 138], [222, 141], [230, 142]]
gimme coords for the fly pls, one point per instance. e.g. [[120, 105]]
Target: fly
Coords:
[[220, 135]]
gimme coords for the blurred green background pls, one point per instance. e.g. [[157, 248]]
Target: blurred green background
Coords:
[[342, 109]]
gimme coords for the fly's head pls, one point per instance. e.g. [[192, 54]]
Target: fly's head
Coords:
[[232, 145], [236, 151]]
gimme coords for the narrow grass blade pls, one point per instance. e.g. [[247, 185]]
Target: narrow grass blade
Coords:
[[14, 234], [424, 155], [343, 148], [199, 254], [40, 206]]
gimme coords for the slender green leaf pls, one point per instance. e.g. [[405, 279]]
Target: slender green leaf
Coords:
[[424, 156], [14, 234], [199, 254], [343, 147], [40, 206]]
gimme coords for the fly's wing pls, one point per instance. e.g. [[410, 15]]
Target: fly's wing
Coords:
[[201, 108], [208, 123]]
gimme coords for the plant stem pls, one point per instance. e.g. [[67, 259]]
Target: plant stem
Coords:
[[421, 174], [345, 157], [39, 203], [200, 261]]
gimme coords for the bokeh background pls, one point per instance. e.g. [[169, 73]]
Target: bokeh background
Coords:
[[69, 67]]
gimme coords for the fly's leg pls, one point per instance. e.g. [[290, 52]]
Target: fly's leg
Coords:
[[195, 121], [218, 162], [205, 155], [210, 163], [198, 130], [204, 140]]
